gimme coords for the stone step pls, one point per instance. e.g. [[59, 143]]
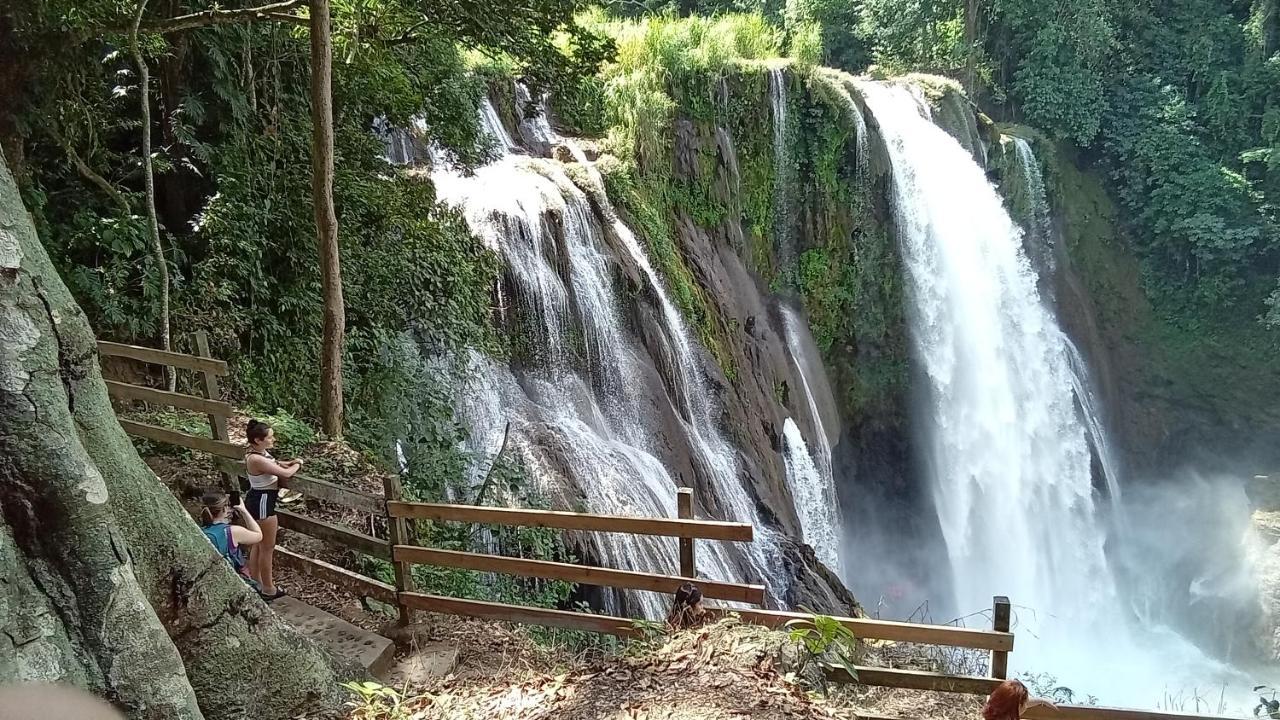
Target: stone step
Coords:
[[372, 651]]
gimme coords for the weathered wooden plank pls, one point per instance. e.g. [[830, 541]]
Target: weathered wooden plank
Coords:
[[889, 630], [335, 534], [915, 680], [684, 509], [1093, 712], [605, 624], [352, 582], [322, 490], [337, 494], [668, 527], [918, 680], [398, 533], [1001, 612], [584, 574], [162, 357], [181, 439], [164, 397]]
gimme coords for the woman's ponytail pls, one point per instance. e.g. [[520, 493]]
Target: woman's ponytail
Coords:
[[212, 504]]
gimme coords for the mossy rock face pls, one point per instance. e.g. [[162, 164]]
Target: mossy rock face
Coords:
[[1176, 393]]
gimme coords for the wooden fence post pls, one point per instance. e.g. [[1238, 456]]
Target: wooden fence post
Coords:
[[217, 423], [684, 510], [397, 532], [1000, 616]]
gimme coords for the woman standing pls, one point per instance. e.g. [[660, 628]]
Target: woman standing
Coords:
[[266, 478]]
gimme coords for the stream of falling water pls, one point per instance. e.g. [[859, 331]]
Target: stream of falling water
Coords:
[[595, 427], [809, 473], [1007, 450]]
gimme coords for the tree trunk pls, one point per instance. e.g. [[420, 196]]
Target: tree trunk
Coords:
[[326, 220], [105, 581], [153, 224], [971, 48]]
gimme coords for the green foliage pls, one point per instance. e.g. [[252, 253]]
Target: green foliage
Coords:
[[233, 174], [374, 701], [292, 434], [825, 640], [922, 35], [805, 44], [1046, 685]]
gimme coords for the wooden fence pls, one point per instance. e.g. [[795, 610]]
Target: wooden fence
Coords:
[[400, 549]]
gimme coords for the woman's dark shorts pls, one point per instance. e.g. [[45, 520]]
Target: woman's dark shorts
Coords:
[[261, 504]]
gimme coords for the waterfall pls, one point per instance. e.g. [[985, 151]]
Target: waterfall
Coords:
[[1091, 412], [1039, 238], [841, 83], [784, 173], [581, 420], [810, 475], [699, 411], [1006, 449]]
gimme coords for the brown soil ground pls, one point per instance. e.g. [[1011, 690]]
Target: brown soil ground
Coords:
[[721, 672]]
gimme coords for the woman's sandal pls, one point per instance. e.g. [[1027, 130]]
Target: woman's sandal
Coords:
[[279, 593]]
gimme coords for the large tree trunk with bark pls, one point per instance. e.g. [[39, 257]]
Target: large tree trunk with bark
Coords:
[[326, 219], [105, 581]]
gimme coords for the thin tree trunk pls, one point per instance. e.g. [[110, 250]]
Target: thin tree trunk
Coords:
[[153, 224], [326, 220], [971, 48]]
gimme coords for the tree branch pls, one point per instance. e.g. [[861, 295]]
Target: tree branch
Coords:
[[209, 18], [88, 173]]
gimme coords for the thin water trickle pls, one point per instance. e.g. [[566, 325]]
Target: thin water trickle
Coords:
[[783, 172]]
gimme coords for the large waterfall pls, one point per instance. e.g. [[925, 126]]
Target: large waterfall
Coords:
[[1007, 449]]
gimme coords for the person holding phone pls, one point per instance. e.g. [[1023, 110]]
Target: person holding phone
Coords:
[[228, 526], [267, 477]]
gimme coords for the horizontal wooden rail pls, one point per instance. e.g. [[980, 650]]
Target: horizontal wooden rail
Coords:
[[919, 680], [163, 397], [1096, 712], [584, 574], [865, 628], [322, 490], [622, 627], [915, 680], [174, 437], [335, 534], [703, 529], [352, 582], [162, 357], [336, 494]]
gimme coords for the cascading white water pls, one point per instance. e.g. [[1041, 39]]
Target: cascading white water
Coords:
[[593, 427], [1007, 451], [1039, 240], [784, 173], [811, 488], [699, 411], [810, 475]]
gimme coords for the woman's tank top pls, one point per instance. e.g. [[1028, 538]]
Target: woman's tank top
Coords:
[[260, 482]]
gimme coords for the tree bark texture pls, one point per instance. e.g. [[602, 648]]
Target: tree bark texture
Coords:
[[105, 581], [148, 174], [326, 220]]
